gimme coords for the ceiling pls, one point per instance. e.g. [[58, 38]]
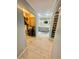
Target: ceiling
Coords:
[[42, 6]]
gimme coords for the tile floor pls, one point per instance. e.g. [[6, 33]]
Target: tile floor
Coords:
[[38, 48]]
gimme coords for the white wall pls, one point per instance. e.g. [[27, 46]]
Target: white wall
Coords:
[[21, 43]]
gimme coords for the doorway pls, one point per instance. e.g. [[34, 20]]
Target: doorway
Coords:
[[30, 24]]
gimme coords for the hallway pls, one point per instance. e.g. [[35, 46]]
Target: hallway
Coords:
[[39, 29], [43, 47]]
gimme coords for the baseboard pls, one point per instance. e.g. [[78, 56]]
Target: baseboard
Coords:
[[22, 53]]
